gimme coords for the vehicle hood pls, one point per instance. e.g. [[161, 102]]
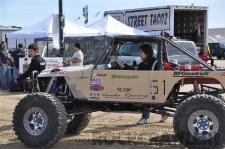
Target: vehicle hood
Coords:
[[181, 59], [127, 59], [75, 71]]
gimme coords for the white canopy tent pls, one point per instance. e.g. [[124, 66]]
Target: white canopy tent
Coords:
[[48, 28], [110, 26]]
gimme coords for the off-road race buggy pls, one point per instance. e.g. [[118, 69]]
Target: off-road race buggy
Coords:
[[40, 119]]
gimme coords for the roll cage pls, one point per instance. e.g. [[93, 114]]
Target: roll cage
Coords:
[[161, 56]]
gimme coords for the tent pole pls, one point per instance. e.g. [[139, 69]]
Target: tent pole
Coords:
[[16, 43], [61, 25], [47, 47], [25, 42]]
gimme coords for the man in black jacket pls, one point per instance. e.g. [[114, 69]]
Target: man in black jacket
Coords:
[[17, 54], [37, 63]]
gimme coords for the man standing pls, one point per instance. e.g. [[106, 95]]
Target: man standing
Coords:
[[5, 69], [77, 58], [18, 53], [196, 30]]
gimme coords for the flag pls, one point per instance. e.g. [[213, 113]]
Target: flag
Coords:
[[85, 14]]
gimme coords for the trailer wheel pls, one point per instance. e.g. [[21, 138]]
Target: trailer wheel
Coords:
[[78, 122], [39, 120], [199, 121]]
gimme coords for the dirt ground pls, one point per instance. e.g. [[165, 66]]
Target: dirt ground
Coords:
[[105, 131]]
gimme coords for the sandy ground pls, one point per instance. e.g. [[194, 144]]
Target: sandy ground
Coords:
[[105, 131]]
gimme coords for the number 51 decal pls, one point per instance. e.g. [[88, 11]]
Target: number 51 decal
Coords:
[[155, 87]]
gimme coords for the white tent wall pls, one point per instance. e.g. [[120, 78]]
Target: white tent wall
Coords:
[[110, 26]]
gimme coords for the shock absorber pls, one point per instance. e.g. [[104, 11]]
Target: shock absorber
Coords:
[[196, 87]]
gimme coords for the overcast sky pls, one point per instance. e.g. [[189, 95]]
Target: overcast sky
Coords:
[[27, 12]]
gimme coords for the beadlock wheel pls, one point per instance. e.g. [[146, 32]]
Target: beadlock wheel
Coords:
[[35, 121], [203, 124], [199, 122]]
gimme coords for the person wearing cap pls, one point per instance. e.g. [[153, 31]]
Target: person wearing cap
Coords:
[[77, 58]]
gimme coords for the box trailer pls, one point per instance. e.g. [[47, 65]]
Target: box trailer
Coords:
[[184, 22]]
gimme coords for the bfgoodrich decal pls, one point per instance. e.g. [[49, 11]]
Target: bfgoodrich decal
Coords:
[[190, 74]]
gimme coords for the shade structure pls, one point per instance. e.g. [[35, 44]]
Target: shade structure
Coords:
[[110, 26], [49, 27]]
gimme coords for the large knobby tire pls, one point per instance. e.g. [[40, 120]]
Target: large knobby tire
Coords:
[[200, 122], [78, 123], [39, 120]]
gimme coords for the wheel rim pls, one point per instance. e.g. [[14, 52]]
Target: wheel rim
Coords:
[[35, 121], [203, 124]]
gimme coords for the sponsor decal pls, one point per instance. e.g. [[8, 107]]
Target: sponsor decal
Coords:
[[110, 96], [124, 89], [124, 76], [125, 96], [96, 88], [134, 96], [190, 74], [94, 95], [94, 82], [96, 85]]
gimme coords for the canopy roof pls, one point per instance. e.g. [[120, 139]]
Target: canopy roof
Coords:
[[47, 28], [110, 26]]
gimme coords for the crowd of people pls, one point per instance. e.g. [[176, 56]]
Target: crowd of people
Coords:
[[9, 64]]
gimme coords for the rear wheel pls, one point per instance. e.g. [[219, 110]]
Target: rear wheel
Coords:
[[39, 120], [78, 122], [199, 121]]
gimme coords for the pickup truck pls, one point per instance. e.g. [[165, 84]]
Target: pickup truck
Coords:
[[129, 52]]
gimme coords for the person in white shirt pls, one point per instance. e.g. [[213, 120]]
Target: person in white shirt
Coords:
[[77, 58]]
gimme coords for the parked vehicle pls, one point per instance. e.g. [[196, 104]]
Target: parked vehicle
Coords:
[[130, 52], [217, 50], [40, 119], [178, 57]]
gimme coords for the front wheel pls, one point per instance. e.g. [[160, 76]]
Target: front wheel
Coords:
[[199, 121], [39, 120]]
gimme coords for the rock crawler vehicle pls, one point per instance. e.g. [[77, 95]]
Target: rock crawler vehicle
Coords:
[[41, 119]]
